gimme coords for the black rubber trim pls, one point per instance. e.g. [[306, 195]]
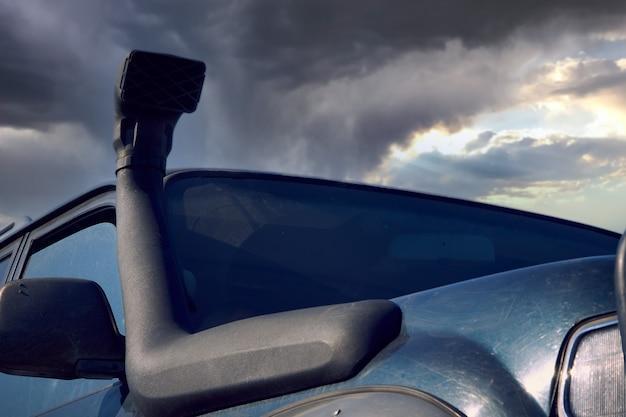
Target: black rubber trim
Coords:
[[619, 282], [91, 218], [563, 361], [60, 210]]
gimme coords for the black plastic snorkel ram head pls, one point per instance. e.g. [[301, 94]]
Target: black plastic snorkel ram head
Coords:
[[153, 91]]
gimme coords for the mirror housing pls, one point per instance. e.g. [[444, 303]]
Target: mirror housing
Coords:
[[58, 328]]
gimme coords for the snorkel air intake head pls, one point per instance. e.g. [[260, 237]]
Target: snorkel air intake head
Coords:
[[153, 91]]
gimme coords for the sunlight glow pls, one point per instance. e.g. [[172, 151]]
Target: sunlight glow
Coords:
[[436, 139], [474, 410], [537, 379]]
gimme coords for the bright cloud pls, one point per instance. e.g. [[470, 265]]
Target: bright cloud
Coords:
[[558, 147]]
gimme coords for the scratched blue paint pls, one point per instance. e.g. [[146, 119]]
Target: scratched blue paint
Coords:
[[488, 346]]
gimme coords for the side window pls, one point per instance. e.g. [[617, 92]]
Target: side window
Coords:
[[85, 251], [89, 253]]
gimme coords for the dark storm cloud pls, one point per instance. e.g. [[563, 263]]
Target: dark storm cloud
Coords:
[[60, 70], [312, 40], [32, 178], [345, 126], [57, 65], [316, 87], [505, 165], [290, 82], [322, 38]]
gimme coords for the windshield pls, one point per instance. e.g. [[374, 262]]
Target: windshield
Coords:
[[261, 244]]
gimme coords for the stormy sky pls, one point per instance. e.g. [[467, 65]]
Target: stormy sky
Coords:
[[516, 103]]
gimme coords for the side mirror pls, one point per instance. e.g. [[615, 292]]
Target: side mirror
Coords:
[[58, 328]]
